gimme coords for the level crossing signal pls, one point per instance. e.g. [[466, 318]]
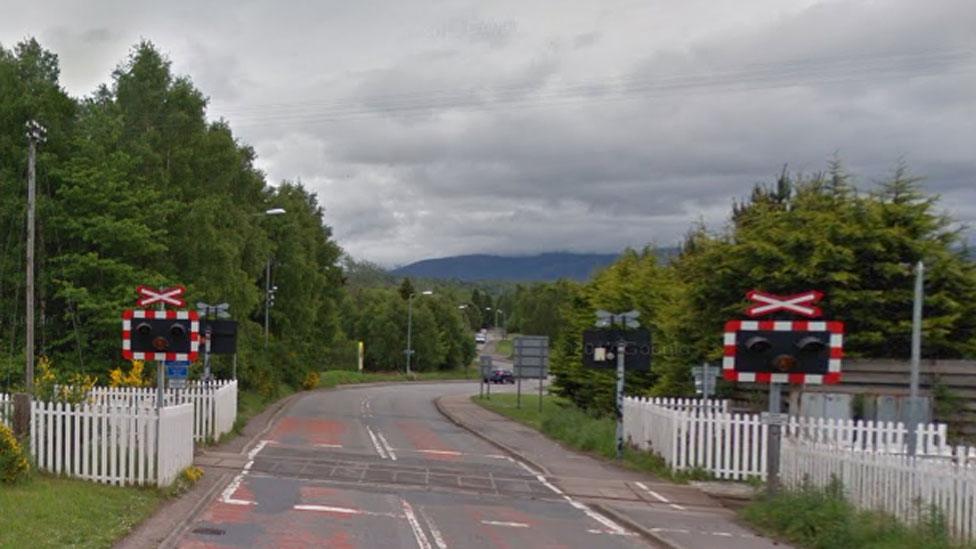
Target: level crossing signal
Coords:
[[783, 351]]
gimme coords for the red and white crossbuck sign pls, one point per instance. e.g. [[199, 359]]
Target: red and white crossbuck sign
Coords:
[[169, 296], [801, 304]]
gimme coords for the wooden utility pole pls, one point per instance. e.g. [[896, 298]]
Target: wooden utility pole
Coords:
[[35, 135]]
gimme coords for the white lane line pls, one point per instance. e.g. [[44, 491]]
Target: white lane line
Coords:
[[389, 449], [343, 510], [440, 452], [659, 497], [418, 532], [450, 453], [329, 445], [227, 495], [506, 524], [376, 443], [434, 532], [612, 527]]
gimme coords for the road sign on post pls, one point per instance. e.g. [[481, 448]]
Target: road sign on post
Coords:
[[618, 338], [531, 358], [485, 367]]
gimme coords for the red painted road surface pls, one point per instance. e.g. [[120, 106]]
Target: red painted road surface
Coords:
[[380, 467]]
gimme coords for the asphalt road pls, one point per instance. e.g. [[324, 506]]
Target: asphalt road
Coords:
[[380, 467]]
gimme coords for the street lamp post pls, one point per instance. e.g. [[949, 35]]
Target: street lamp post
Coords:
[[409, 350], [268, 288], [35, 134], [914, 410]]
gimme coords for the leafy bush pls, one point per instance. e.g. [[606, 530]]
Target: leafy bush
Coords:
[[822, 518], [14, 466], [311, 381]]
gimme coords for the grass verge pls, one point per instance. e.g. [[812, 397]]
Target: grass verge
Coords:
[[504, 347], [562, 421], [59, 512], [821, 518]]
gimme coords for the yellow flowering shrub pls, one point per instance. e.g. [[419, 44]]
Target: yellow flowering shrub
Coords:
[[46, 387], [311, 381], [14, 466], [134, 378]]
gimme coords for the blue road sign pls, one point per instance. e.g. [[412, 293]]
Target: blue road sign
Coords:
[[177, 368]]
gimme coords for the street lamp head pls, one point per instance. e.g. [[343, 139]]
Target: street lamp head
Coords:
[[274, 211]]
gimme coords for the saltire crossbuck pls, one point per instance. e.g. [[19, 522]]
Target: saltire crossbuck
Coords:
[[160, 335], [801, 304], [167, 296], [783, 351]]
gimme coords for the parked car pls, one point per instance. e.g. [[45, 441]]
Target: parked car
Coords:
[[480, 337], [500, 376]]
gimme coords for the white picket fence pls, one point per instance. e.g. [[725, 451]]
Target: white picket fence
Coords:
[[900, 485], [6, 409], [214, 404], [733, 446], [112, 444]]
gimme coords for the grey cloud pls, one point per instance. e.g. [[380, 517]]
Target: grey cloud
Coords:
[[499, 127]]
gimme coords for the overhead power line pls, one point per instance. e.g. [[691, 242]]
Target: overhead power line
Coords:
[[806, 72]]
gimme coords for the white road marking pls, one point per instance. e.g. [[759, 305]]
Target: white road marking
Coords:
[[389, 449], [659, 497], [434, 532], [376, 443], [440, 452], [612, 527], [329, 445], [418, 532], [227, 495], [502, 523], [343, 510], [450, 453], [701, 532]]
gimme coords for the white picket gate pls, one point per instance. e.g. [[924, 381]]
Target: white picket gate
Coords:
[[112, 444], [900, 485], [733, 446]]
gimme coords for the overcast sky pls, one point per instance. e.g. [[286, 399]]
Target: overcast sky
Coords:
[[461, 126]]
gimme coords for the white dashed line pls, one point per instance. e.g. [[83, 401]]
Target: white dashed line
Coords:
[[227, 495], [389, 449], [507, 524], [440, 452], [434, 532], [612, 527], [328, 445], [418, 532], [376, 443], [659, 497]]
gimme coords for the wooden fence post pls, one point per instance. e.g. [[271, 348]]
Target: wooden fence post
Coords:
[[22, 414]]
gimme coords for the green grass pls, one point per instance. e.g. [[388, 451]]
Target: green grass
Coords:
[[563, 421], [504, 347], [821, 518], [58, 512]]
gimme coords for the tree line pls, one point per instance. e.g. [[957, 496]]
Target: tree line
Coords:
[[136, 186], [799, 232]]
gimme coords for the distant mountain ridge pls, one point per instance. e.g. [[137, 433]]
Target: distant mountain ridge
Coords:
[[480, 267]]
